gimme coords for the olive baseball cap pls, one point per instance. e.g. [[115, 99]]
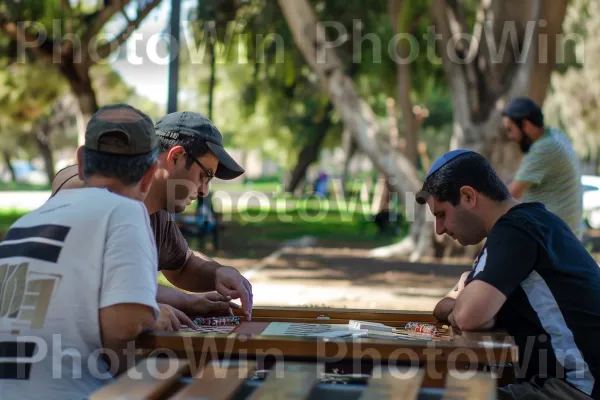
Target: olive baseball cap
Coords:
[[138, 132], [178, 126]]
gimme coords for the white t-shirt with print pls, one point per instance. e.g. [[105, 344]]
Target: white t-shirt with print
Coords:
[[85, 249]]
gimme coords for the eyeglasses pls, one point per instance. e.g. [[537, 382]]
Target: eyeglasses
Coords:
[[208, 175]]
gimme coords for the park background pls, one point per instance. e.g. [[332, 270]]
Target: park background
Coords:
[[362, 102]]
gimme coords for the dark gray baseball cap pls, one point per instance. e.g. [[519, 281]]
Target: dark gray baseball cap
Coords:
[[136, 127], [179, 125]]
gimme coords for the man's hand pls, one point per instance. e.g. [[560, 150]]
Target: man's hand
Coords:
[[209, 303], [230, 283], [171, 319]]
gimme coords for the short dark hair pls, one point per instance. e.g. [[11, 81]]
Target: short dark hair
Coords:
[[469, 169], [129, 170], [193, 147]]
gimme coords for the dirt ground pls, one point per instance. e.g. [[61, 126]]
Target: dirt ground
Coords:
[[330, 275], [342, 275]]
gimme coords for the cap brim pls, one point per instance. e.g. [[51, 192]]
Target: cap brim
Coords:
[[228, 169]]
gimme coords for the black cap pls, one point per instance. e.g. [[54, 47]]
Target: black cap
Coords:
[[136, 127], [181, 124], [520, 108]]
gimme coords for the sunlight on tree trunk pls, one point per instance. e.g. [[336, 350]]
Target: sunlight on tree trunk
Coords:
[[357, 117], [404, 81]]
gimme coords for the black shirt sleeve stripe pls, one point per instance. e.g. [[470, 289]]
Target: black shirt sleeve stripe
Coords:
[[32, 250], [52, 232]]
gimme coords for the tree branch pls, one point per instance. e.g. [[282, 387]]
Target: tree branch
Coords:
[[65, 4], [310, 37], [455, 74], [102, 17], [114, 44], [520, 83]]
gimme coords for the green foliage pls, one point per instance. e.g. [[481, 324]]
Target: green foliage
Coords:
[[27, 94], [575, 94], [268, 98]]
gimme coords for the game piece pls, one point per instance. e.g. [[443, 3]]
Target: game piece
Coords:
[[217, 321], [419, 327]]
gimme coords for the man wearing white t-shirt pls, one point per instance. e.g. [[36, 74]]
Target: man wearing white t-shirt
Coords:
[[78, 276]]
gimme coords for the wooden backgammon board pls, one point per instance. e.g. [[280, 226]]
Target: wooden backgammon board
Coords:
[[281, 336]]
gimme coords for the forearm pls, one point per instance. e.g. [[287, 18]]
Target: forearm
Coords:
[[443, 309], [173, 297], [468, 326], [198, 274], [488, 325], [120, 325]]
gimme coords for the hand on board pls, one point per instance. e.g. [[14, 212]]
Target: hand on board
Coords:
[[171, 319]]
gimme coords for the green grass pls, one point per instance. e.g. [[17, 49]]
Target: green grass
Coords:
[[256, 227], [259, 225], [7, 218], [15, 186], [271, 184], [239, 187]]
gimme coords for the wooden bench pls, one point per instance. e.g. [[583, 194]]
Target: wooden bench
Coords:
[[288, 380]]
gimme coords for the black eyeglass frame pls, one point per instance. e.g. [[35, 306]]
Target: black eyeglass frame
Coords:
[[209, 175]]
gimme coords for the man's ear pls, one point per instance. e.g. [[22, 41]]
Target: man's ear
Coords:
[[175, 155], [147, 179], [80, 163], [468, 196]]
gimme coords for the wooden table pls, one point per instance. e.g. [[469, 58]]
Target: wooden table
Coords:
[[354, 357]]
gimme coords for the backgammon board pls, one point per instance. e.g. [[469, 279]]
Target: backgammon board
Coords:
[[278, 334]]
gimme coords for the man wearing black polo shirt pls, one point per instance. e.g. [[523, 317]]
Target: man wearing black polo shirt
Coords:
[[533, 279]]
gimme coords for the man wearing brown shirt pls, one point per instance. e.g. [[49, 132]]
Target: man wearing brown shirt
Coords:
[[192, 154]]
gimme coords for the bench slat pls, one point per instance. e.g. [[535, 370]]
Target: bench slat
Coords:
[[150, 379], [216, 382], [481, 386], [399, 384], [288, 380]]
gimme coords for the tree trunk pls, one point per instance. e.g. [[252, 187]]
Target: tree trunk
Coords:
[[488, 76], [213, 79], [349, 151], [42, 139], [356, 114], [310, 151], [382, 195], [7, 162], [404, 84], [349, 148], [80, 82]]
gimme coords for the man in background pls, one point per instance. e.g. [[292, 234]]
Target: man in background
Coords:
[[549, 172]]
